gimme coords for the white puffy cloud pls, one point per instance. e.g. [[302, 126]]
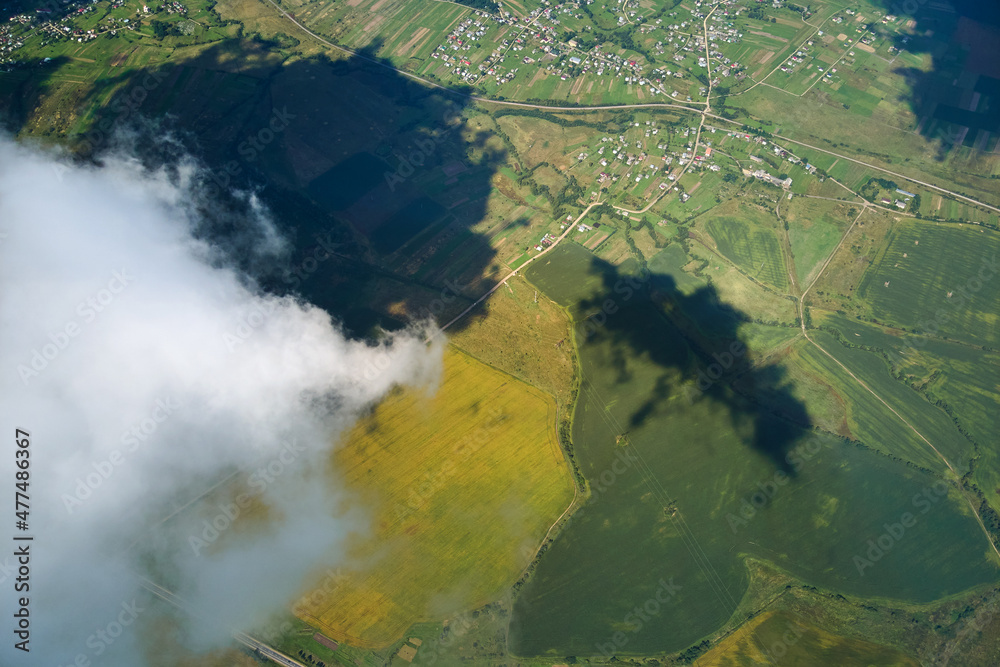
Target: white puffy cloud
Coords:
[[147, 372]]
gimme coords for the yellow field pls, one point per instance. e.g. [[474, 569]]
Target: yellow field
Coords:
[[790, 640], [528, 338], [462, 485]]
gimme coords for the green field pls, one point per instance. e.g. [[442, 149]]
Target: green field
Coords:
[[797, 642], [930, 421], [670, 262], [940, 279], [959, 378], [673, 494], [756, 251], [815, 227]]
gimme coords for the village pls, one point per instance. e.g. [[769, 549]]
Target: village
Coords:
[[73, 21], [507, 54]]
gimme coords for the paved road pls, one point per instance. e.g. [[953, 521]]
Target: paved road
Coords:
[[242, 637]]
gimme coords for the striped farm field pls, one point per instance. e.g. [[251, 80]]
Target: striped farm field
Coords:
[[398, 30], [870, 415], [464, 483], [756, 251], [942, 279]]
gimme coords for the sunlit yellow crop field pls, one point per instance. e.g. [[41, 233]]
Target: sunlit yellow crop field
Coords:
[[465, 483]]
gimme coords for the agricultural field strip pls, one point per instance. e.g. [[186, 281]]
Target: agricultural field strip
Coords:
[[802, 324], [737, 267], [968, 500], [677, 518]]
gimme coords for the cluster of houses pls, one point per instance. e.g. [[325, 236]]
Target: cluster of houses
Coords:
[[537, 40], [51, 23], [57, 23], [9, 41], [901, 202], [762, 175], [540, 34], [463, 38], [636, 160], [546, 241]]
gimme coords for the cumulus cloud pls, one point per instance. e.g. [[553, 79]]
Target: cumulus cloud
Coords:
[[181, 420]]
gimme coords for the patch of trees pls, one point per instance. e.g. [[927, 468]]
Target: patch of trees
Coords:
[[278, 41], [692, 653], [870, 189], [483, 5], [756, 131], [161, 28], [568, 196]]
